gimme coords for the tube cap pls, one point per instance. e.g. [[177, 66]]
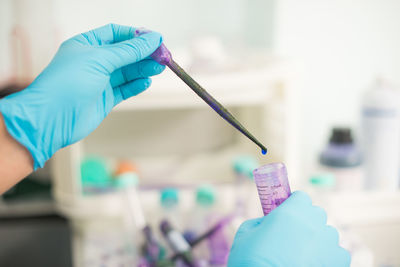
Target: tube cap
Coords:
[[245, 165], [94, 172], [341, 135], [169, 197], [205, 195]]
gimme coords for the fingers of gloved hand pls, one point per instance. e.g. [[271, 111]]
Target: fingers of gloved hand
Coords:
[[315, 215], [329, 250], [130, 89], [107, 34], [342, 258], [297, 198], [245, 228], [296, 203], [249, 224], [332, 234], [120, 54], [299, 207], [121, 32], [326, 244], [141, 69]]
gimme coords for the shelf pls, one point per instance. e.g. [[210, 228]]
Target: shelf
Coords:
[[234, 88], [112, 204]]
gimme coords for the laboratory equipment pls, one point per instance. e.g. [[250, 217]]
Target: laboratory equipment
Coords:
[[219, 248], [163, 56], [243, 167], [95, 175], [381, 137], [217, 227], [154, 252], [202, 217], [272, 185], [322, 182], [127, 168], [217, 243], [126, 178], [126, 181], [203, 210], [170, 208], [178, 243], [343, 159]]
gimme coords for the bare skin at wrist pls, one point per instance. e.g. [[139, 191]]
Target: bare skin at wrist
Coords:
[[15, 160]]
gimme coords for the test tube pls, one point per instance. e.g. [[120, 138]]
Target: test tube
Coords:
[[178, 243], [272, 185]]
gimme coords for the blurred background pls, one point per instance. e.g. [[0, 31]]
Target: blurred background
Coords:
[[316, 81]]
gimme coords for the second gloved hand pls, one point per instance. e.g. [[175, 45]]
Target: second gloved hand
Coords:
[[293, 235], [90, 74]]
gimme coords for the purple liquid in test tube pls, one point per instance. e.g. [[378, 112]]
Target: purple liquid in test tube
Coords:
[[272, 185]]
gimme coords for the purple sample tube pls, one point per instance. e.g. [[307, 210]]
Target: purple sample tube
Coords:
[[178, 243], [219, 248], [272, 185]]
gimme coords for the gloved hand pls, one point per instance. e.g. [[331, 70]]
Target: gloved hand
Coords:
[[293, 235], [90, 74]]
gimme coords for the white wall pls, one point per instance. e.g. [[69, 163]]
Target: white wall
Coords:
[[342, 46], [178, 20], [5, 27], [47, 23]]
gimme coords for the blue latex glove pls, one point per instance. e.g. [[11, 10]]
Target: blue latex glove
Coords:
[[293, 235], [90, 74]]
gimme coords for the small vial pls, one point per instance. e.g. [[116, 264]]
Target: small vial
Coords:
[[272, 185], [178, 243]]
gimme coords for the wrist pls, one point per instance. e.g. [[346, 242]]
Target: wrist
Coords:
[[15, 160], [17, 115]]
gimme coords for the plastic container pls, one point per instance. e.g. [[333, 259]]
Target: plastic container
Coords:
[[243, 167], [219, 247], [342, 158], [201, 218], [203, 211], [95, 175], [170, 211], [381, 137], [323, 182], [272, 185], [218, 244], [178, 243]]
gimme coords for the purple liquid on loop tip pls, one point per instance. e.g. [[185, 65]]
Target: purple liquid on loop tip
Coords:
[[272, 185]]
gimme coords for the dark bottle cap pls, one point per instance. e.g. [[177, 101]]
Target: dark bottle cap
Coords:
[[148, 233], [165, 227], [341, 136]]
